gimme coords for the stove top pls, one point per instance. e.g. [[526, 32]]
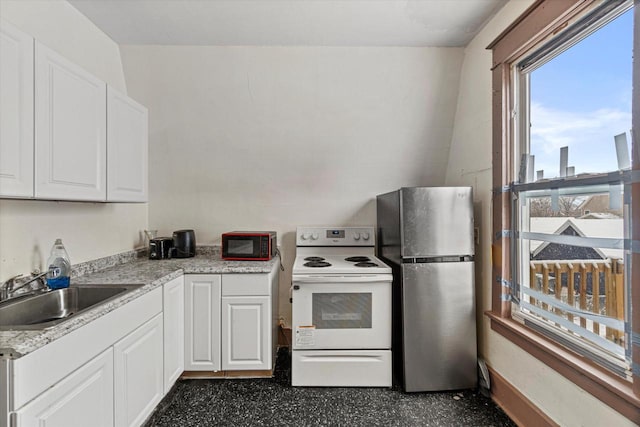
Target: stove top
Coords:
[[338, 251], [339, 264]]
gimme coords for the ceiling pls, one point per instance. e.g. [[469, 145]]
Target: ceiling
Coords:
[[449, 23]]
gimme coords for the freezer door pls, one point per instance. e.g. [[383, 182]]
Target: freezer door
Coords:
[[439, 326], [436, 221]]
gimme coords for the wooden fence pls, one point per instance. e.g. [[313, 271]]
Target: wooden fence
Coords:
[[596, 286]]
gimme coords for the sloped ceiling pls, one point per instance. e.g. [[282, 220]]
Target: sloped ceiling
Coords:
[[446, 23]]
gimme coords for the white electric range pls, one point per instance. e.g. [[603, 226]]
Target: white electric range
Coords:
[[341, 295]]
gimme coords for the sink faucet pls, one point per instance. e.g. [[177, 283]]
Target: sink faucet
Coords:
[[8, 288]]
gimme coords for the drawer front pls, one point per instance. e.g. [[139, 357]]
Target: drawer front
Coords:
[[245, 284], [341, 368]]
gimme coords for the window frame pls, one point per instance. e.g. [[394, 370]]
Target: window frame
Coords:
[[537, 25]]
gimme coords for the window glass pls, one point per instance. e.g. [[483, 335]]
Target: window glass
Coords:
[[581, 99], [573, 264], [573, 276]]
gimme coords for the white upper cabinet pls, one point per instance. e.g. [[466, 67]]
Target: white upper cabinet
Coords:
[[16, 112], [127, 146], [70, 130]]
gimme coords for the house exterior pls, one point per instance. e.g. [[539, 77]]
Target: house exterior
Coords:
[[599, 203], [602, 228]]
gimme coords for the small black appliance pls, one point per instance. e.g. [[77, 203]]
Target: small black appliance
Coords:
[[160, 248], [184, 244]]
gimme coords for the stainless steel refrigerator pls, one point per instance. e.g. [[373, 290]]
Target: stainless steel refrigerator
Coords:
[[426, 235]]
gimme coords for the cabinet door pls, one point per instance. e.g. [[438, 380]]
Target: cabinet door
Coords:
[[16, 112], [202, 322], [138, 383], [70, 125], [127, 145], [84, 398], [173, 312], [246, 333]]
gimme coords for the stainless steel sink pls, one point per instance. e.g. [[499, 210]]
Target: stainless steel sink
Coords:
[[48, 309]]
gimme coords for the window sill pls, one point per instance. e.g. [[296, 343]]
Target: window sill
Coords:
[[605, 386]]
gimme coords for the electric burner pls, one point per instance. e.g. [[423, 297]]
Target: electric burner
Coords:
[[358, 259], [366, 264], [314, 258], [317, 264]]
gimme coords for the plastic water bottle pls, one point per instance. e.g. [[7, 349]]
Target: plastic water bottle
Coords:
[[59, 267]]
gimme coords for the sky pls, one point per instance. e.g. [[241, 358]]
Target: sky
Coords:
[[581, 99]]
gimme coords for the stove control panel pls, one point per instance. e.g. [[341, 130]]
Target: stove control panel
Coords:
[[335, 236]]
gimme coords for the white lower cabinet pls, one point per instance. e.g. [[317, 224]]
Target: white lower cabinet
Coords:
[[230, 321], [173, 314], [202, 322], [84, 398], [245, 333], [196, 322], [138, 373]]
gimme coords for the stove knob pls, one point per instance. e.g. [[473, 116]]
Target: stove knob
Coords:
[[356, 236], [304, 236], [314, 236], [365, 236]]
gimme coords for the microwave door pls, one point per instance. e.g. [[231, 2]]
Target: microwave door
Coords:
[[241, 247]]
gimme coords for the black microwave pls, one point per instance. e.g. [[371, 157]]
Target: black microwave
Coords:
[[249, 245]]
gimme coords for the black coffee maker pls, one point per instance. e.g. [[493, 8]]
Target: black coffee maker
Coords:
[[184, 244]]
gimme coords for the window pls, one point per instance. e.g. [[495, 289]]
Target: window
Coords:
[[573, 114], [565, 239]]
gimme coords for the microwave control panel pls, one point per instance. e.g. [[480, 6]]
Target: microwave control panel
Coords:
[[264, 245]]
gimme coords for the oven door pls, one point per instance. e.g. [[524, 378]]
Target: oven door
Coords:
[[341, 312]]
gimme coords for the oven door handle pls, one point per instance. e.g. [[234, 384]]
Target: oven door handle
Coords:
[[342, 279]]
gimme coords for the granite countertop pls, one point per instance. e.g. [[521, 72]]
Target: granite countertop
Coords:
[[131, 268]]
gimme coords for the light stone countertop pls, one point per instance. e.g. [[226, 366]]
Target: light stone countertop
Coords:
[[135, 271]]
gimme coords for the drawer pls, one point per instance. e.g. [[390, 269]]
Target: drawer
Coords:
[[245, 284], [341, 368]]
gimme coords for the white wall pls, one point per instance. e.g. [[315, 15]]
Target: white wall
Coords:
[[254, 138], [89, 230], [470, 164]]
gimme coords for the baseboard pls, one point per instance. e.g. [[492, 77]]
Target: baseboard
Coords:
[[191, 375], [516, 405]]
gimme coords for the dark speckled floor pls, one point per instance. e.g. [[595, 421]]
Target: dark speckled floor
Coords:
[[273, 402]]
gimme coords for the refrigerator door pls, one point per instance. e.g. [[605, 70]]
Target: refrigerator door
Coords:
[[439, 326], [436, 221], [388, 212]]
